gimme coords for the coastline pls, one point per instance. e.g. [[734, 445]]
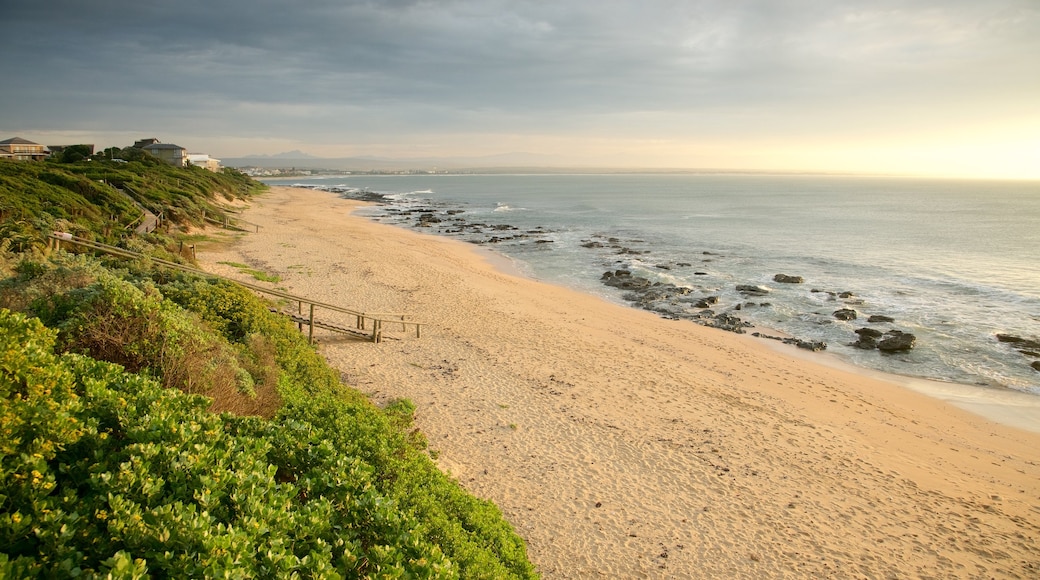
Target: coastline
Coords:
[[621, 444]]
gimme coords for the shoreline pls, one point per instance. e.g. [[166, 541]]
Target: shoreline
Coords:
[[1006, 406], [621, 444]]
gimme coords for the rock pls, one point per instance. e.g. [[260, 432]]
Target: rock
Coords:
[[428, 218], [813, 345], [868, 338], [897, 341], [880, 318], [845, 314], [728, 322], [785, 279], [846, 295], [1019, 342], [865, 343], [1036, 365], [592, 245], [754, 290], [706, 302]]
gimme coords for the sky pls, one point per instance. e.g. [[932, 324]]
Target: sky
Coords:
[[945, 88]]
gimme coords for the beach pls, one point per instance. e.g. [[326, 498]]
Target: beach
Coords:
[[623, 445]]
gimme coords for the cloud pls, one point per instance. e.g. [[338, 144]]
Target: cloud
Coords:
[[618, 68]]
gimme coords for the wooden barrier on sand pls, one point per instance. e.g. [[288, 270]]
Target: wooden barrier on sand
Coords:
[[368, 325]]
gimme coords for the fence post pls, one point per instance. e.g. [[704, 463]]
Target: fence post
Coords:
[[310, 336]]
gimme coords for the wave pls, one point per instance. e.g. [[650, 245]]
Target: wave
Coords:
[[501, 207]]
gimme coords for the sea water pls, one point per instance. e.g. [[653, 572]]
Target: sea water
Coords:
[[953, 262]]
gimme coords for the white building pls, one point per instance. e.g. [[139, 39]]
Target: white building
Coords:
[[205, 161]]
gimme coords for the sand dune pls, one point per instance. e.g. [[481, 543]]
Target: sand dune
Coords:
[[623, 445]]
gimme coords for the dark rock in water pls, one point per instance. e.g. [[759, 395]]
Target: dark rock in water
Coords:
[[846, 295], [753, 290], [880, 318], [1019, 342], [785, 279], [700, 273], [455, 211], [845, 314], [543, 241], [728, 322], [683, 264], [1031, 353], [706, 302], [592, 245], [868, 338], [428, 218], [1036, 365], [663, 267], [628, 282], [897, 341], [813, 345], [865, 343]]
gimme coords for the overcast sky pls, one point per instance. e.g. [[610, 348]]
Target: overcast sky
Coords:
[[937, 87]]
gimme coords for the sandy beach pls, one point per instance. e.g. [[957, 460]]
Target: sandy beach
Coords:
[[623, 445]]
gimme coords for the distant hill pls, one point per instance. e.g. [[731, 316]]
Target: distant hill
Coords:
[[294, 154]]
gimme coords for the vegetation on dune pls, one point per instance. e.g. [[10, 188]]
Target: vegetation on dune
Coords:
[[156, 424]]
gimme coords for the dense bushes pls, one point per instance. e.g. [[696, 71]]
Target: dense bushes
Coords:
[[104, 470], [101, 467]]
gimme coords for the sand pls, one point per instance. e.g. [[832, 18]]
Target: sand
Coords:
[[623, 445]]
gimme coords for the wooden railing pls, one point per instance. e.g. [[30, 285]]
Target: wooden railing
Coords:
[[369, 325]]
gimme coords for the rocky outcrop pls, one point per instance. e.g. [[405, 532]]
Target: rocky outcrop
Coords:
[[753, 290], [897, 341], [785, 279], [868, 338], [813, 345], [845, 314], [706, 302], [1027, 346], [1019, 342], [880, 318]]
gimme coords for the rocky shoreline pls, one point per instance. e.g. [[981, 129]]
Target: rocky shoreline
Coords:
[[669, 300]]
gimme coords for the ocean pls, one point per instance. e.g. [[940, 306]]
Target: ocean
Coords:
[[954, 263]]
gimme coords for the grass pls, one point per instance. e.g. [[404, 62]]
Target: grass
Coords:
[[257, 274]]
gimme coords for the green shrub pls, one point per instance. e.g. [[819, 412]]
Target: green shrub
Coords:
[[105, 472]]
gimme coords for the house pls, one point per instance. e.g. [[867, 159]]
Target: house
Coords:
[[168, 152], [141, 143], [205, 161], [22, 149]]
